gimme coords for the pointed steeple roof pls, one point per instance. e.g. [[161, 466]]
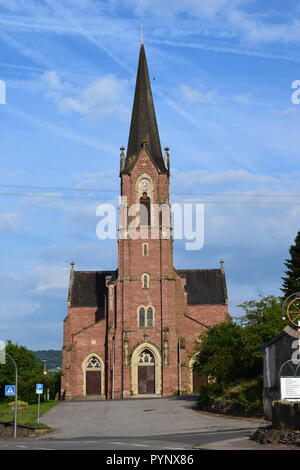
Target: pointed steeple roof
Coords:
[[143, 128]]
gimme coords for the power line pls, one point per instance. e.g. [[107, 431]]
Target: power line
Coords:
[[56, 196], [63, 188], [209, 202], [57, 188]]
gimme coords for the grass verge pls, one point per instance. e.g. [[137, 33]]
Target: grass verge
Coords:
[[26, 416]]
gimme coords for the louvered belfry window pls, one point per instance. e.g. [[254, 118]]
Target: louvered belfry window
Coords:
[[145, 216]]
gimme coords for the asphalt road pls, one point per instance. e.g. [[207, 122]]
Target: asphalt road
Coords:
[[139, 424], [167, 442], [137, 417]]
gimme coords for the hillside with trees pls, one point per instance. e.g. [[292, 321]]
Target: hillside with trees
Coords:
[[52, 356]]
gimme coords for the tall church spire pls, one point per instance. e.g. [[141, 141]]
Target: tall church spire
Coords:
[[143, 129]]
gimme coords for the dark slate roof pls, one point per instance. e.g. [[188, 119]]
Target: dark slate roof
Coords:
[[204, 286], [273, 340], [279, 337], [88, 288], [143, 127]]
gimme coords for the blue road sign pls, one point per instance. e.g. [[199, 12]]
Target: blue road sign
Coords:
[[10, 390], [39, 388]]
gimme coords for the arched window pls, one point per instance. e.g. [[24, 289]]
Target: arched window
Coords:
[[93, 363], [145, 216], [149, 316], [146, 317], [145, 281], [146, 357], [142, 316]]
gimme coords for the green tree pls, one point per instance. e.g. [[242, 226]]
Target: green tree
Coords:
[[29, 374], [260, 322], [24, 359], [218, 352], [291, 283], [232, 350]]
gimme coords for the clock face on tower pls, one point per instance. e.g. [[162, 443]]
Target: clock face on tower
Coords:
[[144, 184]]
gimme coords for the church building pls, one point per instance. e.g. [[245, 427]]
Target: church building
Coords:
[[131, 332]]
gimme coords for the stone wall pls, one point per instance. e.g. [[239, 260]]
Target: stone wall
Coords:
[[286, 415]]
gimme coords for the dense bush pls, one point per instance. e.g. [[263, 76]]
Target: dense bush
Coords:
[[207, 394], [242, 398]]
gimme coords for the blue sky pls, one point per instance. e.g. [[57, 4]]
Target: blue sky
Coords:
[[221, 77]]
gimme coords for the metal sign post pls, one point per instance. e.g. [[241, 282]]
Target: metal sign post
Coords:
[[39, 391]]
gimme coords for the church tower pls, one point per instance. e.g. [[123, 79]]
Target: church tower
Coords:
[[145, 249]]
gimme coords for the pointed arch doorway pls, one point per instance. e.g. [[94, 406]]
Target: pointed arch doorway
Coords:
[[146, 371], [93, 369]]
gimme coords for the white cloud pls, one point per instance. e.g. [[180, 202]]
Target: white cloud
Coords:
[[16, 310], [52, 80], [244, 99], [249, 181], [286, 112], [101, 98], [255, 30], [24, 294], [250, 222], [11, 221], [195, 96], [63, 132], [202, 8], [44, 278]]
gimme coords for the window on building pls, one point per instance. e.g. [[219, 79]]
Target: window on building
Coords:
[[146, 357], [93, 363], [146, 317], [142, 316], [145, 281], [145, 218], [149, 316], [145, 249]]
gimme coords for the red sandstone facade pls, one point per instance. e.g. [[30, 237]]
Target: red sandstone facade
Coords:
[[132, 332]]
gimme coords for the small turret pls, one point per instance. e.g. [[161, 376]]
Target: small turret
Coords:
[[224, 281], [167, 158], [71, 284], [222, 265], [122, 158]]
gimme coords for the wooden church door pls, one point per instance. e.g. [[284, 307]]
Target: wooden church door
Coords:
[[93, 382], [146, 373]]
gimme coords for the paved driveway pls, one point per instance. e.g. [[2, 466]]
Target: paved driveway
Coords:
[[135, 418]]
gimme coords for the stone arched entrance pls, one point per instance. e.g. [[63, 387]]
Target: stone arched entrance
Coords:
[[146, 370], [93, 375]]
